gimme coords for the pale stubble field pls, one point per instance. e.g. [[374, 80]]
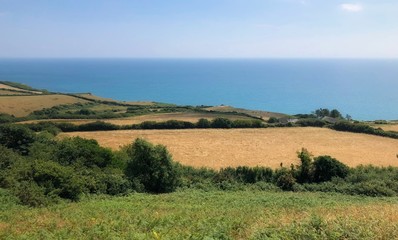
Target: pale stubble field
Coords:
[[218, 148]]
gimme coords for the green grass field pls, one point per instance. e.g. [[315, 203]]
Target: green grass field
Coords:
[[194, 214]]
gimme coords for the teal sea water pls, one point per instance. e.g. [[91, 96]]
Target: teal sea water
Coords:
[[365, 89]]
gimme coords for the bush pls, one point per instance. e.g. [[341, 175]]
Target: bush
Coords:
[[362, 128], [304, 172], [153, 167], [221, 123], [97, 126], [39, 182], [203, 123], [286, 181], [16, 137], [85, 152], [273, 120], [6, 118], [326, 168], [245, 174], [310, 122]]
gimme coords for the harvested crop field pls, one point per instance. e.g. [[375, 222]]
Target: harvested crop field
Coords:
[[4, 86], [216, 148], [21, 106], [388, 127]]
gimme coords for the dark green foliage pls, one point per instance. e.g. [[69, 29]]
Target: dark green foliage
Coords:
[[362, 128], [97, 126], [322, 112], [286, 181], [6, 118], [40, 182], [304, 172], [311, 122], [44, 126], [85, 152], [16, 137], [153, 167], [7, 158], [326, 168], [245, 174], [221, 123], [273, 120], [203, 123], [171, 124], [335, 114], [85, 111]]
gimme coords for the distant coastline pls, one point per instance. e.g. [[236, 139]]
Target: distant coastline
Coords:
[[364, 89]]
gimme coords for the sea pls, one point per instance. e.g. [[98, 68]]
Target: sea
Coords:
[[363, 89]]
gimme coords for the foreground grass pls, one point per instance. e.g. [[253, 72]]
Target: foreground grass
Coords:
[[205, 215]]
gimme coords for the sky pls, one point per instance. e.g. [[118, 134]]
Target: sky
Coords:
[[198, 29]]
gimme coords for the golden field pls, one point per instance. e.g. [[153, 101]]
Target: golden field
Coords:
[[21, 106], [4, 86], [9, 92], [388, 127], [158, 117], [217, 148]]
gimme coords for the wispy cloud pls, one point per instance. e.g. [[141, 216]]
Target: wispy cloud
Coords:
[[351, 7]]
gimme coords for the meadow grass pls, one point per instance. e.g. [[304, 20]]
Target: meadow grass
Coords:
[[194, 214]]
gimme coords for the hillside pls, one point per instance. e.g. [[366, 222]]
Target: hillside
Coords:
[[22, 106], [21, 101]]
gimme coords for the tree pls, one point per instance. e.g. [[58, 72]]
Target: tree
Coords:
[[16, 137], [152, 167], [305, 169], [335, 114], [322, 112], [326, 167], [80, 151]]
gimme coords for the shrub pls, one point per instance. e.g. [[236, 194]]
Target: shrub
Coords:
[[16, 137], [97, 126], [6, 118], [80, 151], [221, 123], [203, 123], [311, 122], [273, 120], [245, 174], [286, 181], [153, 167], [304, 171], [326, 168]]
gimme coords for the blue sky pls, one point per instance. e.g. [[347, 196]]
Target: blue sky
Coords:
[[199, 28]]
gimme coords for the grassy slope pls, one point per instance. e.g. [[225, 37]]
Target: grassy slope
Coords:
[[215, 215], [21, 106], [218, 148]]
